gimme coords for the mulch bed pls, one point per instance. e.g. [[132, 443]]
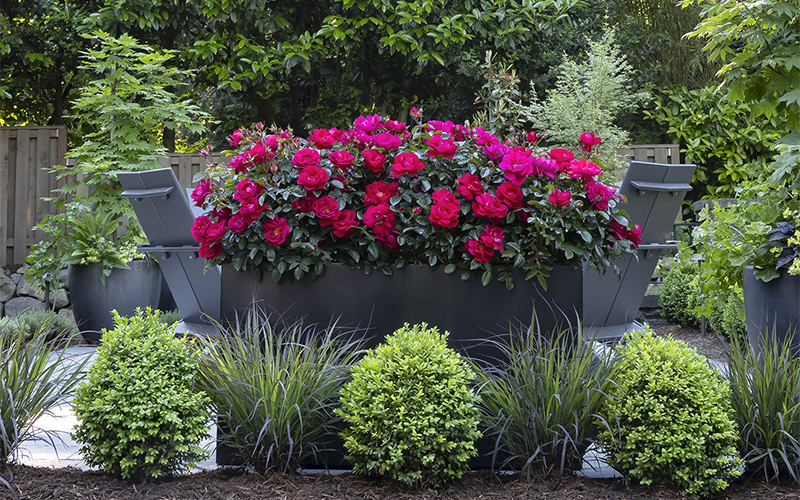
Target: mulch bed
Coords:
[[233, 484]]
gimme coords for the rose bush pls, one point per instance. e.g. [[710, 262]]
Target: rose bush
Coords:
[[381, 195]]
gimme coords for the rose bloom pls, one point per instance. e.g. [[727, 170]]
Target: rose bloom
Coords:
[[326, 209], [387, 236], [236, 137], [276, 230], [387, 141], [394, 126], [201, 191], [345, 224], [374, 160], [510, 194], [460, 132], [479, 250], [619, 231], [444, 211], [589, 139], [380, 192], [599, 194], [271, 141], [483, 138], [257, 155], [582, 169], [313, 178], [493, 236], [342, 159], [221, 213], [469, 186], [210, 250], [321, 138], [562, 157], [416, 113], [251, 208], [560, 198], [496, 152], [215, 231], [440, 126], [247, 189], [378, 215], [440, 146], [406, 163], [489, 206], [532, 137], [545, 166], [238, 222], [517, 165], [305, 203], [635, 236], [368, 123], [306, 158], [239, 163], [199, 227]]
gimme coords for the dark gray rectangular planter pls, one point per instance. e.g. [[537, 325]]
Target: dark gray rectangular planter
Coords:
[[772, 310], [470, 311]]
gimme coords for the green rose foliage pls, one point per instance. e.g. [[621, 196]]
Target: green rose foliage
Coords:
[[409, 410], [668, 418], [139, 415]]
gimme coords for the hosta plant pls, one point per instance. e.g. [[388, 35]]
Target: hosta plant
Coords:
[[273, 388], [410, 412], [381, 195]]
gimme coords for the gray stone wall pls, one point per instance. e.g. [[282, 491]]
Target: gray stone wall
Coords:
[[18, 296]]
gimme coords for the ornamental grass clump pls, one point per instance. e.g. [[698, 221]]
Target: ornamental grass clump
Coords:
[[273, 388], [34, 378], [380, 196], [139, 415], [668, 417], [539, 403], [766, 405], [410, 413]]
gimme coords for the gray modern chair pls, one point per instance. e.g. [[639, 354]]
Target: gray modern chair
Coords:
[[167, 216], [654, 193]]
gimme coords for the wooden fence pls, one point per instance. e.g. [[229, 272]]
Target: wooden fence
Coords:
[[27, 152]]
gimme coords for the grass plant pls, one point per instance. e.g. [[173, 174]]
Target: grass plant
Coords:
[[34, 379], [539, 403], [273, 387], [765, 392]]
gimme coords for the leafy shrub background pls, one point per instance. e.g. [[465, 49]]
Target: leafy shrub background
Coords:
[[680, 292], [34, 323], [668, 417], [139, 415], [273, 388], [409, 411], [539, 404]]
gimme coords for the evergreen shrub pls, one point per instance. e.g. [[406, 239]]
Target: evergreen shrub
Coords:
[[34, 323], [409, 411], [139, 414], [680, 293], [668, 417]]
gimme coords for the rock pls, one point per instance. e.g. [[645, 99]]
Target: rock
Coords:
[[20, 305], [7, 287], [15, 278], [59, 299], [25, 289], [63, 275], [67, 313], [1, 309]]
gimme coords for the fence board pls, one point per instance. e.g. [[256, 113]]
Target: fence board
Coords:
[[5, 190]]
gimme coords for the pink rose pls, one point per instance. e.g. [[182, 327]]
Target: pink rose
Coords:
[[489, 206], [510, 194], [221, 214], [379, 215], [247, 190], [483, 138], [368, 123], [444, 211], [306, 158], [469, 186], [326, 209], [209, 250], [251, 208], [199, 227], [496, 152], [276, 230], [238, 222], [387, 236], [201, 191], [545, 166], [236, 137], [493, 236], [239, 163], [257, 155], [395, 126], [479, 250], [271, 141], [562, 157], [589, 139], [313, 178], [387, 141], [619, 231], [598, 195], [635, 236], [321, 138], [460, 133], [416, 113], [532, 137], [380, 192], [560, 198], [216, 231], [345, 224], [342, 159], [582, 169], [305, 203], [374, 160], [406, 163], [440, 146], [517, 165]]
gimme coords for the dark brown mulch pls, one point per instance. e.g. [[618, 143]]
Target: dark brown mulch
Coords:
[[225, 484]]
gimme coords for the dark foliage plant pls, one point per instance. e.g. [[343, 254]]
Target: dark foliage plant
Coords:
[[668, 417], [539, 403], [139, 415], [765, 391], [410, 412], [273, 388]]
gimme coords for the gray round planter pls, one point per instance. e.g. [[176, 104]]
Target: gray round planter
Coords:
[[772, 310], [124, 291]]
